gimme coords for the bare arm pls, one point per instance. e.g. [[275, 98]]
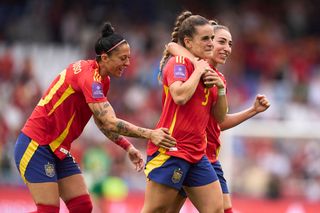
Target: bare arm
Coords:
[[177, 49], [261, 104], [107, 122], [181, 92], [134, 155], [220, 108]]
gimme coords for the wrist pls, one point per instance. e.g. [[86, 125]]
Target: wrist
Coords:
[[221, 91], [124, 143]]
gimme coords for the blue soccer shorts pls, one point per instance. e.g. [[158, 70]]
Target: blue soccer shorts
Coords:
[[176, 172], [38, 164], [217, 167], [223, 183]]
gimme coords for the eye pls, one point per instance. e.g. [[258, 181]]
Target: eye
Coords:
[[124, 58]]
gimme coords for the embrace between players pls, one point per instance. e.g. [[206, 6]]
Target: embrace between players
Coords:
[[182, 153]]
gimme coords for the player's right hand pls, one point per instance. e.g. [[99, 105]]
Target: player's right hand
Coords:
[[162, 138], [201, 66]]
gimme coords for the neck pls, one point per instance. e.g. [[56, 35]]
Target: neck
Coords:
[[213, 63], [103, 71]]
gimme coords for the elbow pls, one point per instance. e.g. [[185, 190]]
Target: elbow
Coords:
[[180, 100], [109, 126], [220, 120]]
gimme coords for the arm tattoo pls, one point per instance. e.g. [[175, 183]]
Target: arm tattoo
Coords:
[[122, 127], [101, 112]]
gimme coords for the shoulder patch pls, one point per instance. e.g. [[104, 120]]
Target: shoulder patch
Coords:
[[97, 91], [179, 71]]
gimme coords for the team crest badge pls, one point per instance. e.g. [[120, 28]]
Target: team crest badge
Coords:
[[177, 174], [49, 168]]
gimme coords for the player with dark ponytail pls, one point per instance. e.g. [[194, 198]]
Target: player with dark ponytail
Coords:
[[42, 151]]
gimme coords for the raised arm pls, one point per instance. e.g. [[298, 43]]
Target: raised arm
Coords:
[[260, 104], [107, 122], [176, 49]]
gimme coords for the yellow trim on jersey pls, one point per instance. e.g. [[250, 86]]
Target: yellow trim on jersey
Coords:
[[64, 96], [58, 141], [218, 152], [179, 59], [96, 76], [54, 89], [156, 162], [31, 149], [173, 123]]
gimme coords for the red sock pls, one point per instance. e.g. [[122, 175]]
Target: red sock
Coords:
[[41, 208], [80, 204], [228, 210]]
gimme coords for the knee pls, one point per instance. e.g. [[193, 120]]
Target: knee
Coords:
[[80, 204], [155, 208]]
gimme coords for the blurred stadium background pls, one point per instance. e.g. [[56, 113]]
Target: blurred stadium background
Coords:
[[272, 162]]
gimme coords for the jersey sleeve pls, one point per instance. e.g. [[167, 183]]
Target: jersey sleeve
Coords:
[[176, 70], [91, 85]]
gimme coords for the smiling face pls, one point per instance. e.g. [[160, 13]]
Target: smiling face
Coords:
[[115, 63], [222, 43], [201, 43]]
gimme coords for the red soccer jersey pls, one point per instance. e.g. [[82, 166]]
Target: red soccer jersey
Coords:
[[213, 132], [186, 123], [63, 111]]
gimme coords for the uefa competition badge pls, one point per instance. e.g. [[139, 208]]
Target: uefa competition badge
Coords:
[[177, 175], [97, 90], [49, 169], [179, 71]]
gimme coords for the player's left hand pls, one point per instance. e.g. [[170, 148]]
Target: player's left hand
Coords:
[[261, 103], [211, 78], [136, 158]]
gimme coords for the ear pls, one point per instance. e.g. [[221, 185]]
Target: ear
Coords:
[[104, 57], [187, 42]]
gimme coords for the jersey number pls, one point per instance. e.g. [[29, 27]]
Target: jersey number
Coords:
[[206, 96]]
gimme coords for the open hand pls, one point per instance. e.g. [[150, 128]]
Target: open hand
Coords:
[[135, 157]]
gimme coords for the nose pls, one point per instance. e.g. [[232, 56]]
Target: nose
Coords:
[[127, 62]]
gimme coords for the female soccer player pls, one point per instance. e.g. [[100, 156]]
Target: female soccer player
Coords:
[[222, 49], [187, 106], [42, 149]]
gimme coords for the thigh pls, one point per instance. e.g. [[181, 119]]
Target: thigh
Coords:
[[70, 180], [178, 202], [203, 187], [45, 193], [72, 186], [207, 198], [158, 197]]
